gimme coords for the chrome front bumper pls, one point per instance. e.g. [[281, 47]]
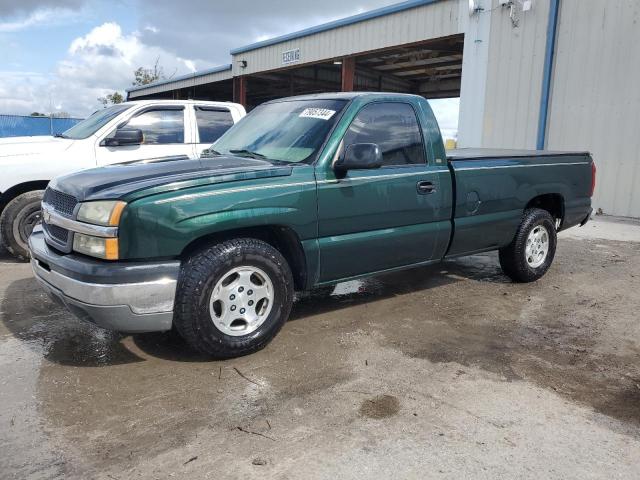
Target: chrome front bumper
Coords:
[[141, 300]]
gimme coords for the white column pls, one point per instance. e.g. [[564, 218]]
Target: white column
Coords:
[[477, 29]]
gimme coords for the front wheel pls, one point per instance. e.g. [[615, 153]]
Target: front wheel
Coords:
[[530, 254], [17, 221], [233, 298]]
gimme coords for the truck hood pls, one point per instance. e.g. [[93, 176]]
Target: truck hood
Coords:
[[13, 146], [146, 177]]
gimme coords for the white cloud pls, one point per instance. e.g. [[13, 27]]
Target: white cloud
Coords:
[[106, 40], [18, 91], [9, 8], [39, 18], [96, 64], [189, 64]]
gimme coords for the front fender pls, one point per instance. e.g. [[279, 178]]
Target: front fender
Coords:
[[164, 225]]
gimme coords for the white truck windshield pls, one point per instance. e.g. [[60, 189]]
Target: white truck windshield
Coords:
[[97, 120]]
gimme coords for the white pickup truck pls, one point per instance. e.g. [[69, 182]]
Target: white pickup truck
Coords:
[[121, 133]]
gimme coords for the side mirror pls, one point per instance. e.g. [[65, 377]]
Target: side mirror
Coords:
[[359, 156], [125, 136]]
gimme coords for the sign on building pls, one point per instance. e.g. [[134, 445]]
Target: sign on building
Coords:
[[291, 56]]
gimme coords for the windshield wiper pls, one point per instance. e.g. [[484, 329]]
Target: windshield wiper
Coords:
[[60, 135], [247, 153]]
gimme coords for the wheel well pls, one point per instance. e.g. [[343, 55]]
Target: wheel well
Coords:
[[19, 189], [284, 239], [551, 202]]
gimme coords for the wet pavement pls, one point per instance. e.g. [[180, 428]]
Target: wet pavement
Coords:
[[447, 371]]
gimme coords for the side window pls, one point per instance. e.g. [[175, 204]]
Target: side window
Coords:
[[394, 127], [160, 126], [212, 123]]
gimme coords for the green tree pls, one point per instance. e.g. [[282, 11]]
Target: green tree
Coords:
[[37, 114], [111, 99], [145, 76]]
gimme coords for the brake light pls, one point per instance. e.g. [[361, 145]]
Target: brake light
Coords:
[[593, 177]]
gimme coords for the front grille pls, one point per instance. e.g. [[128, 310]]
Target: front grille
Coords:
[[58, 233], [61, 202]]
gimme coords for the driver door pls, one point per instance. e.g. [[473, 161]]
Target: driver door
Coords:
[[165, 132], [393, 216]]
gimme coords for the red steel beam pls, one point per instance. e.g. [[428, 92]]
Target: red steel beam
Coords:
[[240, 90], [348, 73]]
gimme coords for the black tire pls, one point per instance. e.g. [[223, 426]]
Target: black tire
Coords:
[[200, 273], [513, 258], [17, 221]]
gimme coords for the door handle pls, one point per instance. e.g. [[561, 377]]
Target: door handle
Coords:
[[425, 187]]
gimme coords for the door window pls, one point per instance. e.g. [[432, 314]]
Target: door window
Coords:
[[212, 123], [160, 127], [393, 127]]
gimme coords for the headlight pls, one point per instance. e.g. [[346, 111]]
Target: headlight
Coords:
[[106, 213], [106, 248]]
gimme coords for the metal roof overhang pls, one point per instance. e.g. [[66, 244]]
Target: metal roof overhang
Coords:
[[222, 72], [379, 12]]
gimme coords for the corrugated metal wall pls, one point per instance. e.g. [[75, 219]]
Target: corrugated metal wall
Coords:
[[417, 24], [514, 77], [18, 126], [595, 96]]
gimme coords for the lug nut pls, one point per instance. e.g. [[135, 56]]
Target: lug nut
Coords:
[[242, 310], [241, 289], [232, 297], [233, 307], [249, 292], [250, 302]]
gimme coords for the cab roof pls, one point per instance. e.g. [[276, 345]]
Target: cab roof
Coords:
[[178, 102], [344, 96]]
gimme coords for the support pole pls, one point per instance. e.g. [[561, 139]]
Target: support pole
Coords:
[[240, 90], [348, 73], [547, 74]]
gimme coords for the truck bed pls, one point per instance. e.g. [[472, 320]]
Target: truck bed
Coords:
[[498, 153], [492, 187]]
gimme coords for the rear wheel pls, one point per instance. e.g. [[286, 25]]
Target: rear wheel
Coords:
[[233, 298], [17, 221], [531, 252]]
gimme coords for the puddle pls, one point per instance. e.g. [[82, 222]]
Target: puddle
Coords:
[[382, 406]]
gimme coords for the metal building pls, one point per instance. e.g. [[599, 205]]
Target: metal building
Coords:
[[555, 74]]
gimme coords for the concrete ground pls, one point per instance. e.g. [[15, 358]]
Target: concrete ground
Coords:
[[449, 371]]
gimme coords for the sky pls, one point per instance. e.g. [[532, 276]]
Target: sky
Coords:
[[61, 55]]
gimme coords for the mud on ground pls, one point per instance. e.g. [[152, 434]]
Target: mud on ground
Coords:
[[442, 372]]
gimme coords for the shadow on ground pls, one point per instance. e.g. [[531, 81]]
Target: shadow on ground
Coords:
[[33, 317]]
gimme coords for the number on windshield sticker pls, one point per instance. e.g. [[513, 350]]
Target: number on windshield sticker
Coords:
[[320, 113]]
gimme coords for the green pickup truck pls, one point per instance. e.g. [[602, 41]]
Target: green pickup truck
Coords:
[[303, 192]]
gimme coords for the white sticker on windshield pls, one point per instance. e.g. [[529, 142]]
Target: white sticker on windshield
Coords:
[[321, 113]]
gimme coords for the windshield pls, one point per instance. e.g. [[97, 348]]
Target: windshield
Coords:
[[91, 125], [289, 131]]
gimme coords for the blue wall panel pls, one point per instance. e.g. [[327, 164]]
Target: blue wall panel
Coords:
[[17, 125]]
